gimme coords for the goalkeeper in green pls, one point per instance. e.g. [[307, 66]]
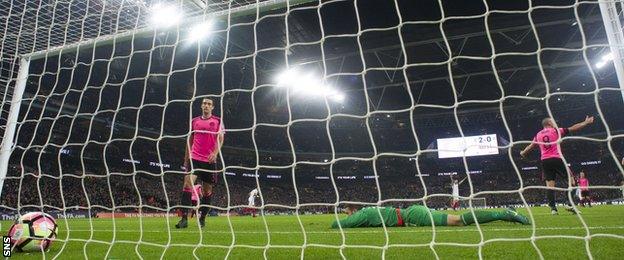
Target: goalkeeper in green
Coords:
[[417, 215]]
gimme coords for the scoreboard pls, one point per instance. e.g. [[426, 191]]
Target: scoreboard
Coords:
[[467, 146]]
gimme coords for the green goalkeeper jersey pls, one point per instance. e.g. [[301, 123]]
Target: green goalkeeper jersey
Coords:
[[369, 217], [415, 215]]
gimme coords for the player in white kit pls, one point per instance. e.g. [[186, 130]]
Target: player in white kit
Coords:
[[455, 186], [252, 201]]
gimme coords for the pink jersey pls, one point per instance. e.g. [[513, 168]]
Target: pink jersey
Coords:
[[548, 141], [583, 183], [196, 193], [205, 134]]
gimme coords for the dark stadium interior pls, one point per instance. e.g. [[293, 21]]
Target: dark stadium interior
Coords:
[[106, 126]]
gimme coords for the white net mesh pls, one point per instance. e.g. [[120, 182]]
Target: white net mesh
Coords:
[[325, 103]]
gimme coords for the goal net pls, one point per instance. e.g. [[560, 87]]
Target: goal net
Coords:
[[475, 203], [325, 105]]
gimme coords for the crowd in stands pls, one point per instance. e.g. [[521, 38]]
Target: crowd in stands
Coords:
[[120, 187]]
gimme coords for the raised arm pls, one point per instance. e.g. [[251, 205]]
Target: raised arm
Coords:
[[578, 126]]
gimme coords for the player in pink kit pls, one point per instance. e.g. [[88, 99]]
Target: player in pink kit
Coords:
[[197, 192], [205, 143], [552, 164], [583, 183]]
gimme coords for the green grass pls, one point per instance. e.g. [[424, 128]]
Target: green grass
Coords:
[[250, 239]]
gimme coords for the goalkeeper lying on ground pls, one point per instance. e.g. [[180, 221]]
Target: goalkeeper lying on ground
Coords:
[[417, 215]]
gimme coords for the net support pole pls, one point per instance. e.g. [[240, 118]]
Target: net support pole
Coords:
[[9, 133], [615, 36]]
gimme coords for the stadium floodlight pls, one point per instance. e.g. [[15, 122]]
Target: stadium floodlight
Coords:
[[608, 57], [200, 31], [287, 77], [333, 94], [337, 97], [604, 60], [307, 84], [163, 16]]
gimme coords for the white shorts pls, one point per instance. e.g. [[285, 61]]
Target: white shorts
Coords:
[[455, 196], [252, 201]]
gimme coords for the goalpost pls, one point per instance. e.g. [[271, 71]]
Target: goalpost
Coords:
[[475, 203], [612, 18], [11, 121], [65, 32]]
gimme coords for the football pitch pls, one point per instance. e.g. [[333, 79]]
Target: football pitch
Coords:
[[556, 237]]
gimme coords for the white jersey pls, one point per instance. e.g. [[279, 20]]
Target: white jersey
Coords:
[[252, 197], [455, 191]]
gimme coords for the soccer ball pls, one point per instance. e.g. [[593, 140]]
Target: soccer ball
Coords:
[[33, 232]]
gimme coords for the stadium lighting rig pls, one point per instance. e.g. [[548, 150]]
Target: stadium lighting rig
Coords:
[[604, 60], [200, 31], [307, 84], [163, 16]]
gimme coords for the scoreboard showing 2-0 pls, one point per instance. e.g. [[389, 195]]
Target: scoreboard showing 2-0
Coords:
[[467, 146]]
